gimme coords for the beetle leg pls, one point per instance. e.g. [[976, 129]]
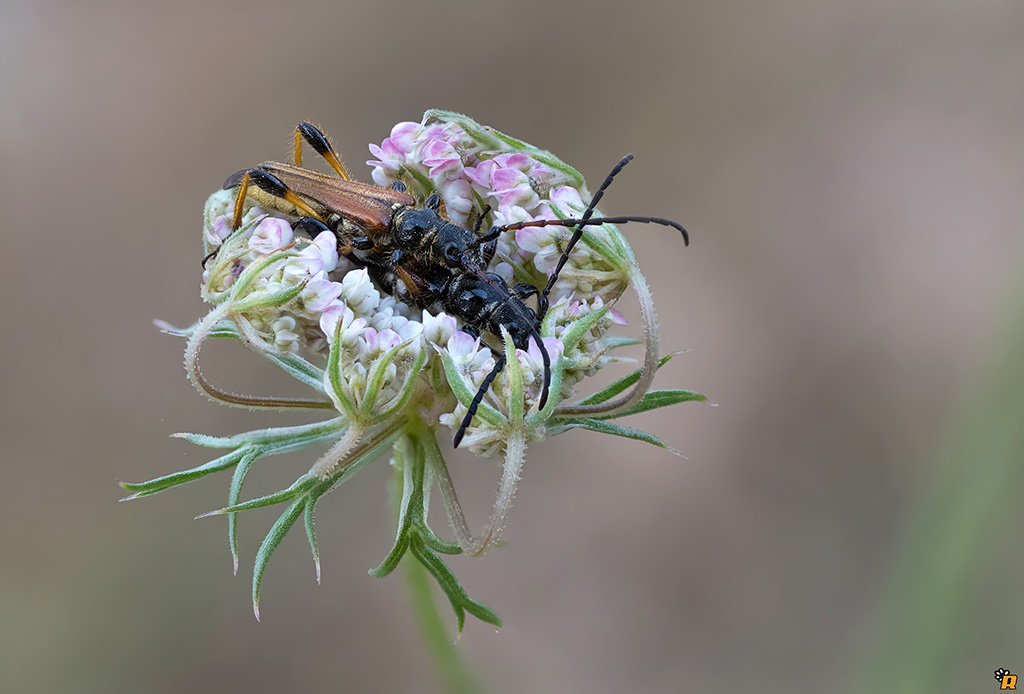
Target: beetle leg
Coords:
[[494, 233], [318, 141], [243, 190], [268, 183], [312, 227], [480, 220], [409, 282], [272, 186], [525, 290], [236, 216]]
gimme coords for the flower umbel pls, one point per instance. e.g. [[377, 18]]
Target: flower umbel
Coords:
[[391, 375]]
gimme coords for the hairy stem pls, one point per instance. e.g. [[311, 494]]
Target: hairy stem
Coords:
[[515, 456], [335, 455], [252, 402]]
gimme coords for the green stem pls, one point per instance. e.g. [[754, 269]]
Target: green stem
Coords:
[[964, 522], [451, 668]]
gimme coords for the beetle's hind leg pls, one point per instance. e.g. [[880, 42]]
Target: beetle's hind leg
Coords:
[[272, 186], [240, 179], [319, 142]]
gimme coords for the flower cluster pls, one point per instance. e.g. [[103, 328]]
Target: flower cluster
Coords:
[[472, 165], [391, 374]]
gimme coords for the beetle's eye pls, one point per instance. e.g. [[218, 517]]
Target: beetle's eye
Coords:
[[452, 255]]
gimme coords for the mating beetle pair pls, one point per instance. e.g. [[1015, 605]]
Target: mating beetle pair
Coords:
[[412, 252]]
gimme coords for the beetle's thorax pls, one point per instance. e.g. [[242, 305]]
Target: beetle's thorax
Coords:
[[484, 301]]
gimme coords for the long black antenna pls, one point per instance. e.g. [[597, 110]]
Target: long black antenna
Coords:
[[577, 234], [547, 369], [485, 386], [571, 222], [586, 220], [477, 399]]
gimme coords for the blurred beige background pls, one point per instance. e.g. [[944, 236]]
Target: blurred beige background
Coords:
[[851, 174]]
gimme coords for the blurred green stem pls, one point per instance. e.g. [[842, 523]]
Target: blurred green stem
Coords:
[[452, 672], [961, 521], [451, 668]]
